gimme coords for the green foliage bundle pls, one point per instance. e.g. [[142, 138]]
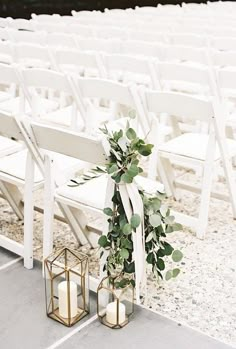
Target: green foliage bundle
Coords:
[[126, 148]]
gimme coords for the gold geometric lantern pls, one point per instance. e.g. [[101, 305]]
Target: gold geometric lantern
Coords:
[[66, 286], [115, 305]]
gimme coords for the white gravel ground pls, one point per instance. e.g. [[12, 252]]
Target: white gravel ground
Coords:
[[204, 294]]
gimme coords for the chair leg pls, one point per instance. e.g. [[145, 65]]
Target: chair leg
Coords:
[[167, 176], [77, 230], [14, 197], [205, 198], [227, 164], [230, 180], [48, 210], [28, 213]]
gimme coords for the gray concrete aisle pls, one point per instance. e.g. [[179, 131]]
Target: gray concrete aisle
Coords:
[[24, 325]]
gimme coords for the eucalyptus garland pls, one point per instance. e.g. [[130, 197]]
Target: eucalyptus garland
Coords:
[[126, 149]]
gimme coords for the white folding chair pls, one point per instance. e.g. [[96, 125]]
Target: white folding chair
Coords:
[[23, 36], [61, 40], [131, 69], [32, 56], [110, 33], [6, 52], [186, 39], [21, 24], [183, 54], [148, 36], [45, 18], [52, 96], [4, 34], [194, 148], [223, 59], [179, 77], [4, 22], [226, 79], [122, 100], [24, 169], [16, 170], [81, 198], [83, 31], [223, 43], [100, 45], [142, 48], [10, 82], [50, 27], [78, 62]]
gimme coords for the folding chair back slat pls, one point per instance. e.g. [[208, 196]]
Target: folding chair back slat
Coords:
[[72, 144], [101, 88], [179, 105], [42, 78]]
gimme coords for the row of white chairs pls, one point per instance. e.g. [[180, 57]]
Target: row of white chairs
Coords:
[[125, 68], [11, 52], [77, 112], [36, 137], [159, 33], [113, 43]]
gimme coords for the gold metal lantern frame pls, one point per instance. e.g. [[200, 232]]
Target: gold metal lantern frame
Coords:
[[67, 286], [115, 305]]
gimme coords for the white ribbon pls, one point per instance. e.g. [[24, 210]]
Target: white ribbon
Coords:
[[133, 204]]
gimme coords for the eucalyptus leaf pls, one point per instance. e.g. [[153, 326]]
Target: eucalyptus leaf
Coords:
[[135, 221], [163, 210], [168, 249], [169, 275], [177, 256], [160, 264], [124, 253], [150, 258], [175, 272], [169, 219], [131, 134], [133, 170], [145, 150], [113, 168], [177, 227], [126, 178], [129, 267], [103, 241], [132, 114], [127, 229], [149, 237], [155, 220], [108, 211]]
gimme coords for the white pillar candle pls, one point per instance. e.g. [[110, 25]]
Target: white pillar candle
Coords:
[[111, 313], [63, 299]]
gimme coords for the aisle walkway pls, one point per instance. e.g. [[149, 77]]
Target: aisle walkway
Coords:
[[24, 325]]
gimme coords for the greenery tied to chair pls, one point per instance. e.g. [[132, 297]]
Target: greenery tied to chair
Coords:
[[125, 152]]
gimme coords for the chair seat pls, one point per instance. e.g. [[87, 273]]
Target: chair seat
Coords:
[[15, 166], [34, 63], [93, 192], [13, 106], [62, 117], [8, 146], [4, 96], [186, 87], [4, 58], [193, 145]]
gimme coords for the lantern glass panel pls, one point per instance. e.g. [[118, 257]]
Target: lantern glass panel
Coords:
[[67, 288], [115, 304]]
